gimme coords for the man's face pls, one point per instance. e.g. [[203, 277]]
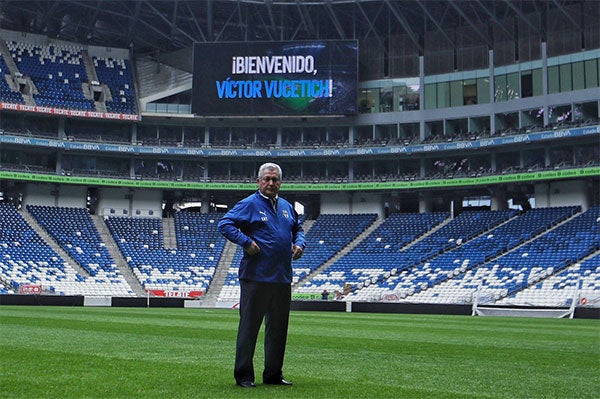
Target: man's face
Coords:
[[269, 183]]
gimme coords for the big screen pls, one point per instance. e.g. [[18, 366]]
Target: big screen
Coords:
[[275, 78]]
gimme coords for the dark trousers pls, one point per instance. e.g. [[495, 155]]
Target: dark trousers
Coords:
[[270, 301]]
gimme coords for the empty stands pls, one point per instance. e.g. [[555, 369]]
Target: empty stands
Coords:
[[74, 230], [55, 75], [376, 253], [471, 254], [187, 268], [116, 74], [25, 258], [543, 257], [505, 260], [326, 237]]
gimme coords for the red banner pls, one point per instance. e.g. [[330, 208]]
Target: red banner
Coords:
[[30, 289], [68, 112], [175, 294]]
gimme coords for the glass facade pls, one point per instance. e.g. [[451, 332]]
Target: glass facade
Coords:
[[389, 96], [520, 80], [457, 90], [573, 72]]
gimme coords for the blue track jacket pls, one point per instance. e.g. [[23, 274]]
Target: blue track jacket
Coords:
[[253, 219]]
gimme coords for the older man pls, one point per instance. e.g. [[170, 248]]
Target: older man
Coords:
[[269, 230]]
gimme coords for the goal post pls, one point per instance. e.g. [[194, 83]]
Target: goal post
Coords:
[[484, 306]]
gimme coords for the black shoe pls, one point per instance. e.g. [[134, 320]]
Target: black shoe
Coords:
[[279, 381], [246, 384]]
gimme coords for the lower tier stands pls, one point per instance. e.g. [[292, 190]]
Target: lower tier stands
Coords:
[[327, 236], [542, 257], [502, 272], [74, 230], [186, 269], [372, 263], [579, 282], [475, 252], [27, 260]]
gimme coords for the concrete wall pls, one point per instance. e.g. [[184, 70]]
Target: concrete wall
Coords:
[[352, 203], [562, 193]]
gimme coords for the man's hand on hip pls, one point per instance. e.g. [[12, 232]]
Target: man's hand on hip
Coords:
[[297, 252]]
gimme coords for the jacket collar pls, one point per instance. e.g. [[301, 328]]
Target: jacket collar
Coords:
[[265, 197]]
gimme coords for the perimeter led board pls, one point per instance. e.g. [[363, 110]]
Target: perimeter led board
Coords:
[[305, 78]]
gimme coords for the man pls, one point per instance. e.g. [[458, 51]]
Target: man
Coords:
[[268, 229]]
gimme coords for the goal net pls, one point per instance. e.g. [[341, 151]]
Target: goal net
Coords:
[[483, 305]]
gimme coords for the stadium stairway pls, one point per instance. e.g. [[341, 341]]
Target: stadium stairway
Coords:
[[10, 63], [117, 256], [89, 66], [341, 253], [210, 298], [52, 243], [169, 236]]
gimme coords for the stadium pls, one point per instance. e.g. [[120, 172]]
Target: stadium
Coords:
[[444, 157], [456, 157]]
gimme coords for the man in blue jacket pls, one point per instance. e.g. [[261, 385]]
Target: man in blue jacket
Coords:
[[269, 230]]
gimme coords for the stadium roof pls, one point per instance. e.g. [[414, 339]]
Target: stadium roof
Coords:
[[151, 26]]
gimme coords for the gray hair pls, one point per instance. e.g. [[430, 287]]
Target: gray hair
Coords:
[[269, 166]]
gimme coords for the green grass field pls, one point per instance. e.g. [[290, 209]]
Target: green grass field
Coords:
[[77, 352]]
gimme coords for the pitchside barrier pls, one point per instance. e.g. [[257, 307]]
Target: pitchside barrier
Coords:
[[591, 310]]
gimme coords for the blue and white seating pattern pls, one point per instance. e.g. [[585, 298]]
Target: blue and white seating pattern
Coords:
[[524, 266], [186, 268], [327, 235], [231, 287], [376, 254], [363, 269], [57, 72], [26, 259], [536, 258], [74, 230], [580, 281], [473, 253], [116, 74]]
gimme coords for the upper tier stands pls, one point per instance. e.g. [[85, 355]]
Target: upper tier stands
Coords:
[[26, 259], [58, 74], [115, 73]]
